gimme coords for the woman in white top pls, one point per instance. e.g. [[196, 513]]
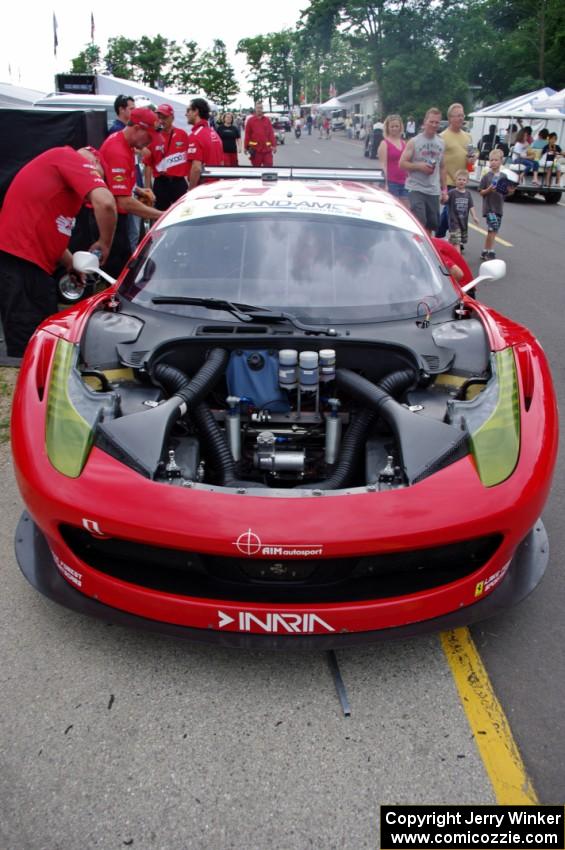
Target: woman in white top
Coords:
[[519, 156]]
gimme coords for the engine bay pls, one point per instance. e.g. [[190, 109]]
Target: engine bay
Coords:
[[306, 418]]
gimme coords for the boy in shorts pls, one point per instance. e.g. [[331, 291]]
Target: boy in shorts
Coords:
[[459, 206], [493, 188]]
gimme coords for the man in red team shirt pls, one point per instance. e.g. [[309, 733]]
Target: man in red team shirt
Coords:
[[260, 142], [204, 145], [166, 162], [36, 222], [119, 161]]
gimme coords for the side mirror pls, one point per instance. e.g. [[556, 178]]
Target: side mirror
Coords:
[[87, 263], [489, 270]]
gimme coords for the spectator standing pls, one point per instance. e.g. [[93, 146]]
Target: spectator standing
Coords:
[[118, 153], [493, 188], [231, 139], [123, 106], [327, 127], [260, 143], [309, 122], [426, 182], [36, 223], [204, 145], [166, 161], [459, 206], [410, 127], [389, 152], [459, 153]]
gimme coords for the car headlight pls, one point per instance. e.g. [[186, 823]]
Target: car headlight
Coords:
[[73, 411], [495, 444]]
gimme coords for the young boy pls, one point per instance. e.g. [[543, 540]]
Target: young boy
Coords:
[[459, 206], [493, 187]]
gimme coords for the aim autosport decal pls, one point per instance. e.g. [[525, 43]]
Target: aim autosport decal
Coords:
[[490, 583], [250, 545], [275, 622]]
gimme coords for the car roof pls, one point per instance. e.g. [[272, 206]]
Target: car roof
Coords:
[[345, 198]]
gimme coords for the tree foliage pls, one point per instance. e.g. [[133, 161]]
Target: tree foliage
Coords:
[[87, 61], [418, 52], [217, 77]]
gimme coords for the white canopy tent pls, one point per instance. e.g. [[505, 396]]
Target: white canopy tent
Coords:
[[522, 110], [115, 86], [17, 96], [554, 101]]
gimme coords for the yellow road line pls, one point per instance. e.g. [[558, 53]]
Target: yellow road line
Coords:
[[497, 238], [488, 722]]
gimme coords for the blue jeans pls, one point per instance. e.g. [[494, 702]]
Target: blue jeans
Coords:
[[531, 164]]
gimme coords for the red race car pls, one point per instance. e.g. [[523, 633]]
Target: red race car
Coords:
[[285, 425]]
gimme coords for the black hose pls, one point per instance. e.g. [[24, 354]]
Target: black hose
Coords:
[[355, 436], [193, 390]]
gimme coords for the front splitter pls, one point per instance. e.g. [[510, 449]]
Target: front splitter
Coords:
[[524, 573]]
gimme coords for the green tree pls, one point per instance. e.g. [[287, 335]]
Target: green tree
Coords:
[[151, 61], [121, 57], [87, 61], [217, 75], [256, 52], [185, 66]]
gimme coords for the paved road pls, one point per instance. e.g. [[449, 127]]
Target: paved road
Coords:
[[115, 739], [523, 650]]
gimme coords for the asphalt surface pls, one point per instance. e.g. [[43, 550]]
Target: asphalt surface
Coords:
[[112, 738]]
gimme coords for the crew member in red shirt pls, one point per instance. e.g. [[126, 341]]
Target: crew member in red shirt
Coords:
[[454, 262], [204, 145], [166, 162], [260, 143], [36, 222], [119, 160]]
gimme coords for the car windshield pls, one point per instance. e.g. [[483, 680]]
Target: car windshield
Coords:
[[319, 268]]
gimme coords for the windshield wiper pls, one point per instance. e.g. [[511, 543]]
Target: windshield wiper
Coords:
[[211, 303], [245, 312]]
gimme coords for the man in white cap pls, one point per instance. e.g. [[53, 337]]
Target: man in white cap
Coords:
[[166, 163]]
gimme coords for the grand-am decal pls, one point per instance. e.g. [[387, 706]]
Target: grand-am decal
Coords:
[[66, 571], [249, 544], [275, 622], [299, 206], [490, 583]]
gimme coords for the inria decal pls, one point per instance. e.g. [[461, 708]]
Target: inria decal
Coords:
[[275, 622]]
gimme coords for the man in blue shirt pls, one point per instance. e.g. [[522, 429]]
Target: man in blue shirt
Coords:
[[123, 106]]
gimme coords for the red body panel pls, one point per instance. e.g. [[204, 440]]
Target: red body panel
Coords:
[[450, 506]]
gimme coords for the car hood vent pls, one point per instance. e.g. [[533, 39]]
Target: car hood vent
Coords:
[[233, 329]]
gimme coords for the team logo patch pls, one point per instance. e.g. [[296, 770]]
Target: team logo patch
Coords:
[[117, 178], [65, 224]]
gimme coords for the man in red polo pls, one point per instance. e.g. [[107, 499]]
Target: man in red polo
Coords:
[[260, 142], [166, 163], [204, 145], [36, 222], [119, 162]]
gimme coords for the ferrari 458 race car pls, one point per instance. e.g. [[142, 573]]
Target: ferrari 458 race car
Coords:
[[285, 425]]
